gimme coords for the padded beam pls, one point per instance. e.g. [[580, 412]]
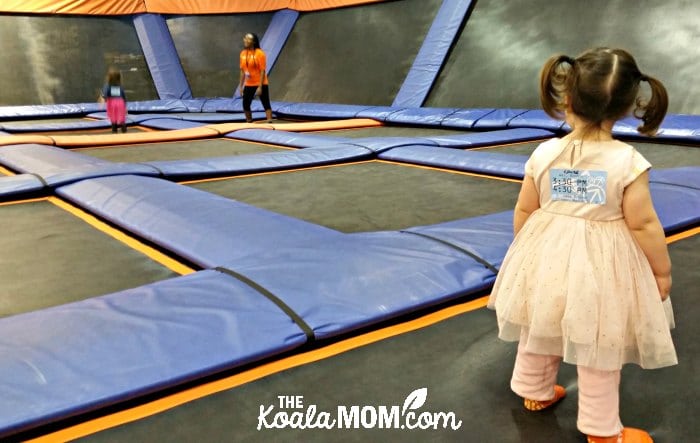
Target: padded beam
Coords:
[[161, 57], [421, 116], [259, 162], [490, 138], [14, 185], [465, 118], [381, 144], [351, 281], [56, 166], [537, 119], [277, 34], [204, 228], [286, 138], [8, 112], [432, 54], [74, 358], [498, 119], [48, 127], [491, 163]]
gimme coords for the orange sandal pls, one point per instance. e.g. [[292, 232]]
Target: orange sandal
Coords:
[[537, 405], [628, 435]]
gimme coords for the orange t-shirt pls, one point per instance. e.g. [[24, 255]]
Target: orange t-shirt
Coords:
[[253, 62]]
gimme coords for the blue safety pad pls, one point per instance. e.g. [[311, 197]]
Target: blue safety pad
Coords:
[[465, 118], [498, 119], [379, 113], [486, 237], [381, 144], [688, 176], [13, 185], [259, 162], [161, 56], [673, 127], [286, 138], [677, 206], [276, 35], [157, 106], [221, 105], [537, 119], [320, 110], [169, 123], [7, 112], [56, 126], [432, 54], [483, 162], [356, 280], [490, 138], [58, 166], [204, 228], [74, 358], [421, 116]]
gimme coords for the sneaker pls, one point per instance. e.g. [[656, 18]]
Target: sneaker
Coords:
[[537, 405]]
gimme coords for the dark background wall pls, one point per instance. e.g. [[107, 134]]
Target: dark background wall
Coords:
[[497, 59]]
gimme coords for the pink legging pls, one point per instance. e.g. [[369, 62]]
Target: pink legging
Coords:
[[116, 110], [534, 377]]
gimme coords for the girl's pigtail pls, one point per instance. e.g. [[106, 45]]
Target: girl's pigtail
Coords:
[[553, 85], [652, 113]]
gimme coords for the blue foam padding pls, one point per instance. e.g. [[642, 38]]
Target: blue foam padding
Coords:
[[492, 163], [169, 123], [431, 56], [286, 138], [490, 138], [77, 357], [276, 36], [259, 162], [28, 111], [19, 184], [381, 144], [320, 110], [677, 206], [355, 280], [380, 113], [673, 127], [161, 56], [498, 118], [204, 228], [157, 106], [487, 237], [67, 126], [465, 118], [220, 117], [421, 116], [59, 166], [537, 119], [688, 176]]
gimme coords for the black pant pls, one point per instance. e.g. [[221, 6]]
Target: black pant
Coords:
[[249, 93]]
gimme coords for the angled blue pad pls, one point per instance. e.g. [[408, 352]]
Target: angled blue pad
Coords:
[[204, 228], [67, 126], [485, 237], [380, 113], [169, 123], [259, 162], [498, 119], [222, 105], [73, 358], [58, 166], [673, 127], [688, 176], [48, 110], [465, 118], [381, 144], [320, 110], [157, 106], [432, 54], [162, 59], [276, 35], [490, 138], [355, 280], [492, 163], [678, 207], [286, 138], [537, 119], [421, 116], [19, 184]]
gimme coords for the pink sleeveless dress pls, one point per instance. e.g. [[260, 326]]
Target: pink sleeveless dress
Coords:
[[574, 282]]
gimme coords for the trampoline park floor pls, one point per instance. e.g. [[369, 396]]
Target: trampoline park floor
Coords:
[[450, 350]]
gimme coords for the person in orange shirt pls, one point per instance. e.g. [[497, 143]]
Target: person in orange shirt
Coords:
[[253, 80]]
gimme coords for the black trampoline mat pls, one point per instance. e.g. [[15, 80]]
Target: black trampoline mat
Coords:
[[659, 155], [466, 370], [51, 257], [181, 150], [370, 196]]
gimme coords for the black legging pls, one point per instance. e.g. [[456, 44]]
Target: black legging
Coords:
[[249, 93]]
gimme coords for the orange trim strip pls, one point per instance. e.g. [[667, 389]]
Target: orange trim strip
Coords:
[[683, 235], [131, 242], [180, 398], [122, 7], [19, 202], [23, 139]]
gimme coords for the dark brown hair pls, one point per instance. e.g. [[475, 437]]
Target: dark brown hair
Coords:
[[114, 77], [601, 84]]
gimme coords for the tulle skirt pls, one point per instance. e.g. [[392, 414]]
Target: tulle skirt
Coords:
[[116, 110]]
